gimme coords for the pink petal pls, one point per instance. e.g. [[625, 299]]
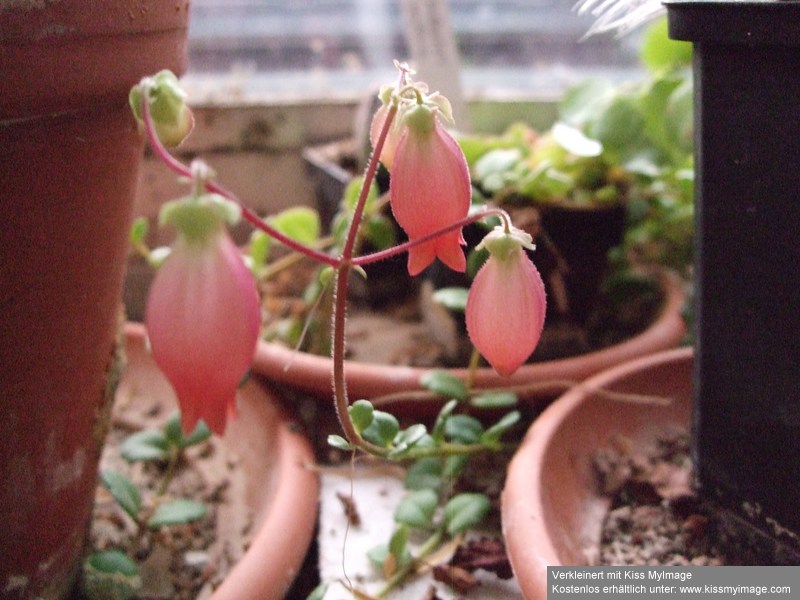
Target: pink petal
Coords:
[[430, 190], [392, 137], [203, 320], [505, 311]]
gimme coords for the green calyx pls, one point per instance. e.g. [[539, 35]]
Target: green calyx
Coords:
[[503, 242], [198, 217], [420, 118]]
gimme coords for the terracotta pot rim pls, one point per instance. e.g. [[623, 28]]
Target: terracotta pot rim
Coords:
[[523, 513], [312, 373]]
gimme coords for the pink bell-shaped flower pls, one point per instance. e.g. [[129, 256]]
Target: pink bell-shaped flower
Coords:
[[203, 313], [506, 303], [429, 189]]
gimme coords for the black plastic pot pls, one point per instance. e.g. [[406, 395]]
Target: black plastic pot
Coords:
[[747, 405]]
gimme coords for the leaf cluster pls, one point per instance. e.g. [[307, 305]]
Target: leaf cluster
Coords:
[[111, 573]]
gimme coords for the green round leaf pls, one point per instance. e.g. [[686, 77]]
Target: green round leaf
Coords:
[[338, 442], [417, 508], [463, 428], [113, 561], [200, 434], [659, 51], [176, 512], [110, 575], [361, 413], [465, 511], [382, 430], [426, 473], [123, 491], [149, 444], [494, 400], [496, 431], [443, 383], [300, 223]]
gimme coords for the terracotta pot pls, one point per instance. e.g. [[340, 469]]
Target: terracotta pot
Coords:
[[551, 505], [312, 373], [280, 490], [69, 167]]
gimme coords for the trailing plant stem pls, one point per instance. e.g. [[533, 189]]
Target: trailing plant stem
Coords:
[[431, 544]]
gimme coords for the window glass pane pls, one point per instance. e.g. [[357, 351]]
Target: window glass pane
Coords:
[[341, 47]]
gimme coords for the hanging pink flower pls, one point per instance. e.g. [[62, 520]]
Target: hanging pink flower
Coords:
[[429, 189], [506, 303], [203, 314]]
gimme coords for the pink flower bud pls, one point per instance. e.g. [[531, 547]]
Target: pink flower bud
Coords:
[[506, 303], [203, 317], [430, 189]]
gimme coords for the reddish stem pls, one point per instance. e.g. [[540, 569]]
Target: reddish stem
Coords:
[[367, 259], [184, 171]]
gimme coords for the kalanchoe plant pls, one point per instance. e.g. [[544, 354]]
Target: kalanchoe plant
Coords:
[[110, 573], [203, 314]]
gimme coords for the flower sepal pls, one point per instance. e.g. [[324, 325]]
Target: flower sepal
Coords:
[[198, 217]]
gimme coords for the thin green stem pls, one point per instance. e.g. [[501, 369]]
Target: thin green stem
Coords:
[[431, 544]]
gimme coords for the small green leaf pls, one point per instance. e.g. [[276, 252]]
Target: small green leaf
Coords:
[[110, 575], [176, 512], [380, 232], [200, 434], [123, 491], [441, 418], [113, 561], [575, 142], [361, 413], [494, 400], [148, 444], [426, 473], [258, 248], [173, 430], [378, 555], [338, 442], [445, 384], [300, 223], [496, 431], [453, 465], [174, 436], [352, 192], [411, 435], [659, 51], [382, 430], [409, 438], [416, 509], [465, 511], [139, 230], [453, 298], [398, 544], [463, 428]]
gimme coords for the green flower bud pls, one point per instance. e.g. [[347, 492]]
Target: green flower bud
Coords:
[[172, 118]]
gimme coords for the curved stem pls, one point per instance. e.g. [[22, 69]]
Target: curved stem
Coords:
[[179, 168], [340, 300], [394, 250]]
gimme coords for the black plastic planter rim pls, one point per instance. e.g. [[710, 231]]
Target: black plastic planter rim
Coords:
[[750, 22]]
